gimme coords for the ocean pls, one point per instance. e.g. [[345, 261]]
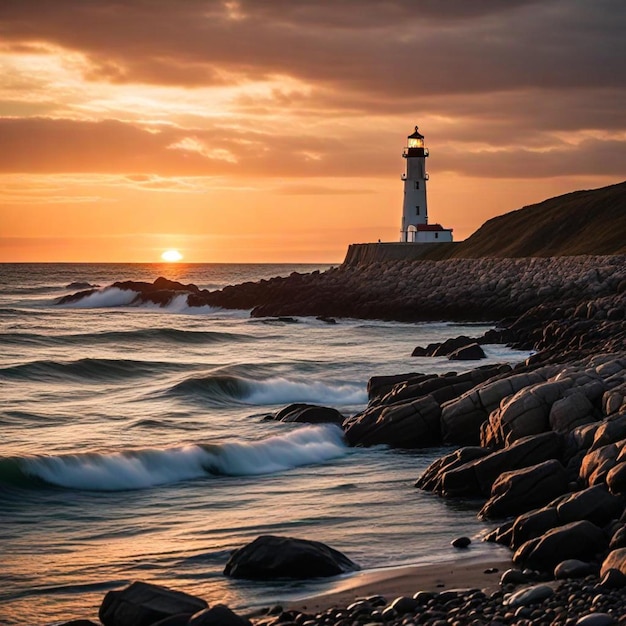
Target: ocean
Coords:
[[133, 445]]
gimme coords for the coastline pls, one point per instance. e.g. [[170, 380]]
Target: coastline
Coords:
[[459, 572]]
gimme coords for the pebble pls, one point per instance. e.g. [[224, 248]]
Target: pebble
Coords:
[[572, 602]]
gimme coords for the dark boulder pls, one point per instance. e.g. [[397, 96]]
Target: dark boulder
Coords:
[[521, 490], [578, 540], [445, 348], [403, 425], [142, 604], [616, 478], [471, 352], [430, 480], [218, 615], [269, 557], [309, 414], [616, 559], [477, 477], [594, 504]]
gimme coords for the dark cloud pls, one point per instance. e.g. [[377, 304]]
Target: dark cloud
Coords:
[[425, 47], [517, 77], [39, 145]]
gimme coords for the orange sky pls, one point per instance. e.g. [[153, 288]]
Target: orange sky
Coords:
[[271, 131]]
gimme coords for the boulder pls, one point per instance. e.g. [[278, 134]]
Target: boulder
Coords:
[[218, 615], [573, 568], [618, 539], [616, 478], [578, 540], [532, 524], [529, 595], [309, 414], [521, 490], [405, 425], [269, 557], [430, 480], [462, 418], [570, 412], [616, 559], [594, 504], [527, 412], [142, 604], [477, 477], [471, 352]]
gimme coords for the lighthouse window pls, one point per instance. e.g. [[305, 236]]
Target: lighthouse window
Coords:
[[417, 210], [436, 235], [417, 184]]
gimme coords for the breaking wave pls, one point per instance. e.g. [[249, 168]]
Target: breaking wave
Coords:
[[220, 389], [140, 469]]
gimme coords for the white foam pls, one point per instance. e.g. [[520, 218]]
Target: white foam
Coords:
[[119, 470], [139, 469], [305, 446], [284, 391], [108, 297]]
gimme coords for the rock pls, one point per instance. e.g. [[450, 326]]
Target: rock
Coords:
[[445, 348], [521, 490], [616, 559], [142, 604], [404, 425], [309, 414], [326, 319], [574, 568], [570, 412], [596, 619], [616, 478], [618, 540], [269, 557], [613, 579], [529, 595], [430, 480], [595, 504], [532, 524], [477, 477], [578, 540], [403, 605], [461, 542], [461, 419], [471, 352], [513, 577], [218, 615]]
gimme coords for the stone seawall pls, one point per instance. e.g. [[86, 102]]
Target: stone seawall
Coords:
[[366, 253]]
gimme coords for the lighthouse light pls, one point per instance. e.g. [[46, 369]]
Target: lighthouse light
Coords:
[[415, 142]]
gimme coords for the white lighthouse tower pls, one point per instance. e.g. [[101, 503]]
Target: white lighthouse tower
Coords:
[[415, 227]]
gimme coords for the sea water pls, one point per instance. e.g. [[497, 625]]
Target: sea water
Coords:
[[133, 444]]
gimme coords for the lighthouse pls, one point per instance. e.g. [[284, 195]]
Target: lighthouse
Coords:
[[415, 227]]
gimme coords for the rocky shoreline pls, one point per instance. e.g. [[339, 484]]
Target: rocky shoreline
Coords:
[[542, 445]]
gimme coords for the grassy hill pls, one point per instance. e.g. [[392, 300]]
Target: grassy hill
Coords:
[[582, 222]]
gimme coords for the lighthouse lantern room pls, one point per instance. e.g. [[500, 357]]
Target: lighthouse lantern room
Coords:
[[415, 227]]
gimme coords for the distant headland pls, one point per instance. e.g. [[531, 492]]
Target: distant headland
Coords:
[[590, 222]]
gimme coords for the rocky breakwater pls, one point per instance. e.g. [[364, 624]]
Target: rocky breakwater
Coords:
[[453, 289]]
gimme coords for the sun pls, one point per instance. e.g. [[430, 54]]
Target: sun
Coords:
[[171, 256]]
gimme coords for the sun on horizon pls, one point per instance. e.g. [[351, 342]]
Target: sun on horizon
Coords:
[[171, 256]]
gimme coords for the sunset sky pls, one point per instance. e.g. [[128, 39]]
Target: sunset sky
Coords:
[[272, 130]]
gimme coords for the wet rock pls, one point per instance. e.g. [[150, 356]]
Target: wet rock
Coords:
[[529, 595], [578, 540], [477, 477], [461, 542], [616, 559], [574, 568], [309, 414], [142, 604], [218, 615], [269, 557], [471, 352], [521, 490]]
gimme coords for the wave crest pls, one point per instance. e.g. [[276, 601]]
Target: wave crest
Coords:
[[139, 469]]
